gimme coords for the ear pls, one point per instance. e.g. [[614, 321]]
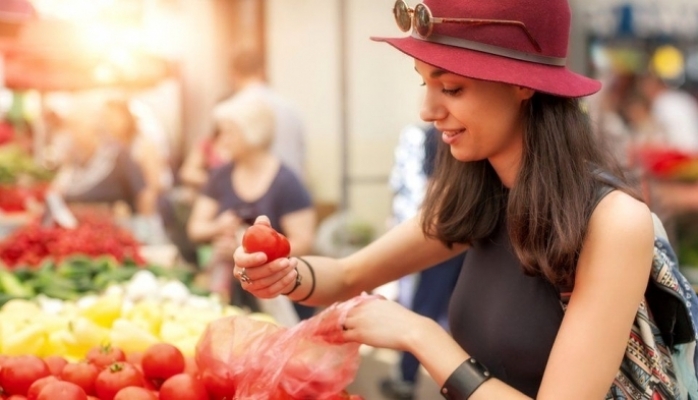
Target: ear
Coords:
[[524, 93]]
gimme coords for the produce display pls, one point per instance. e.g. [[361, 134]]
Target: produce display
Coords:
[[667, 163], [138, 340], [82, 316], [21, 179], [94, 236], [79, 275]]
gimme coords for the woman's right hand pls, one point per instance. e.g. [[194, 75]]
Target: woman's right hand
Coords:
[[261, 278]]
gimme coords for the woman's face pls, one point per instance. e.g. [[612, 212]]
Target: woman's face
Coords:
[[479, 119], [232, 140]]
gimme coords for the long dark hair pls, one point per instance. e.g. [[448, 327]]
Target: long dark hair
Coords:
[[547, 210]]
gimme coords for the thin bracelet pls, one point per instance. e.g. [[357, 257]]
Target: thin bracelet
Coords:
[[297, 283], [312, 285]]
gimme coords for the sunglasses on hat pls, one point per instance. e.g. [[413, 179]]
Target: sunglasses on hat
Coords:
[[421, 20]]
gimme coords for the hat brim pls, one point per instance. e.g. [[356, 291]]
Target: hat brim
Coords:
[[554, 80]]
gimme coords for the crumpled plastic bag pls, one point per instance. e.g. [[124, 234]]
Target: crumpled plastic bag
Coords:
[[255, 360]]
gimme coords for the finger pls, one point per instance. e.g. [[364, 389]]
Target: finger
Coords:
[[263, 219], [249, 260], [267, 270], [284, 285]]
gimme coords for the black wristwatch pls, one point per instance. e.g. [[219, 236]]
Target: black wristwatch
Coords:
[[465, 380]]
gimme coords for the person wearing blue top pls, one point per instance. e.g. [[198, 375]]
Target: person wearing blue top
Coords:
[[254, 183]]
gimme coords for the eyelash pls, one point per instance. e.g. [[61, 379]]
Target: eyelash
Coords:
[[451, 92], [448, 92]]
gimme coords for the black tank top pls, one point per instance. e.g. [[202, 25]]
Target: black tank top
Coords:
[[504, 319]]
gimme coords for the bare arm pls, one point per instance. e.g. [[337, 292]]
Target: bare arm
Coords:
[[401, 251], [146, 201], [192, 171], [204, 226], [299, 227]]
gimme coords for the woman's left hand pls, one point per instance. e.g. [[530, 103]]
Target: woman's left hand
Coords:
[[381, 323]]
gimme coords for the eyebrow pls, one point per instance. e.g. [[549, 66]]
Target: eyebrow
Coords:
[[438, 72]]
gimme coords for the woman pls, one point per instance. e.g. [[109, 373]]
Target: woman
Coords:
[[520, 191], [121, 125], [255, 184], [98, 169]]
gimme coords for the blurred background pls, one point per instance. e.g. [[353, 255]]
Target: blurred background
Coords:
[[166, 65], [354, 95]]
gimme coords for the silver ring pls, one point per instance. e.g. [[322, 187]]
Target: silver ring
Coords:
[[244, 278]]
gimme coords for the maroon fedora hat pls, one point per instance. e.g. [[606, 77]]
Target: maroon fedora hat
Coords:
[[520, 42]]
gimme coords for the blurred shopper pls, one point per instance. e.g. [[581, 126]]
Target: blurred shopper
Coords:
[[414, 163], [99, 169], [675, 112], [122, 126], [203, 158], [248, 79], [255, 183], [644, 130]]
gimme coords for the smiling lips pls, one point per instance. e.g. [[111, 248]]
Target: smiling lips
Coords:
[[450, 137]]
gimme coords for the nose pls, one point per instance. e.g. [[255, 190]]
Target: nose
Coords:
[[432, 110]]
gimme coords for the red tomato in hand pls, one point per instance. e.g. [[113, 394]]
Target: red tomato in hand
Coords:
[[161, 361], [115, 378], [18, 373], [62, 390], [262, 238], [104, 356], [82, 374], [135, 393], [38, 386], [55, 364]]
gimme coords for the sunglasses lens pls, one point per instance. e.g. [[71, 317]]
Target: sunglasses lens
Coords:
[[402, 15], [422, 20]]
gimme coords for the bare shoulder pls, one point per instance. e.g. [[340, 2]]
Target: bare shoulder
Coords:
[[620, 222], [621, 214]]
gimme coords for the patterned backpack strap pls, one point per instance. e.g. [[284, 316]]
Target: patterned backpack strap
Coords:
[[647, 370]]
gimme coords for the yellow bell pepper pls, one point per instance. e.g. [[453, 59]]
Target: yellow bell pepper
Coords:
[[27, 340], [130, 337]]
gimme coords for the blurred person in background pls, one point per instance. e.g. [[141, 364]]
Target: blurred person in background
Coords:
[[674, 111], [175, 205], [99, 169], [248, 79], [644, 130], [204, 157], [255, 183], [428, 292], [120, 124]]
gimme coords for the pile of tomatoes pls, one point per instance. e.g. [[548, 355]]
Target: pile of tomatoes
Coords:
[[34, 243], [161, 372]]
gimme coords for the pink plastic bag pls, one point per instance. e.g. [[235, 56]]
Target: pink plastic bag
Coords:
[[255, 360]]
